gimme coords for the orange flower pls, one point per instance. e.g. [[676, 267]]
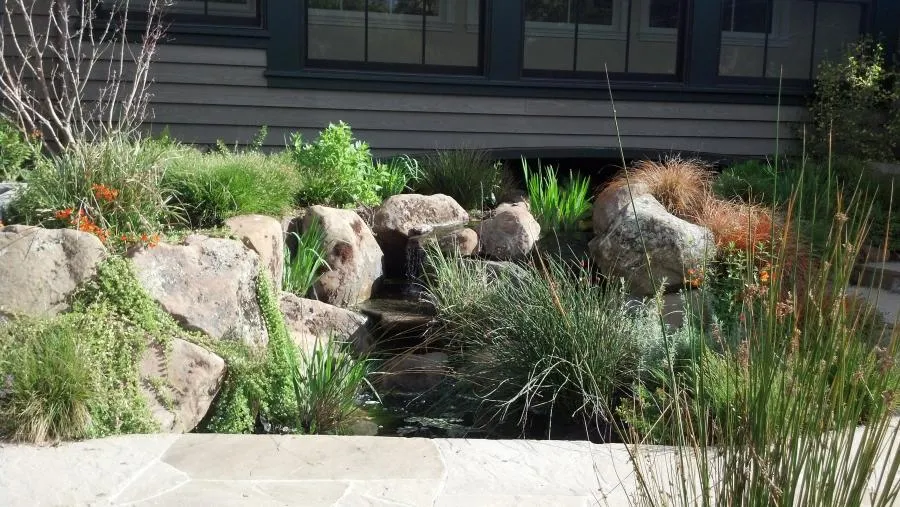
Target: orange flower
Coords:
[[104, 193], [64, 214], [123, 238], [154, 240], [764, 276], [144, 238]]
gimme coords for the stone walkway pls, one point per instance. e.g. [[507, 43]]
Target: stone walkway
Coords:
[[219, 470]]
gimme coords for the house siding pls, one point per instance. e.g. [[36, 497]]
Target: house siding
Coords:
[[203, 94]]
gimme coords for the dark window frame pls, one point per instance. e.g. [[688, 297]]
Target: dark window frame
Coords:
[[698, 79], [208, 30]]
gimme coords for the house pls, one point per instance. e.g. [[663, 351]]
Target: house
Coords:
[[407, 75]]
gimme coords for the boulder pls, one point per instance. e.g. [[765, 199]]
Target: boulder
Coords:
[[264, 236], [206, 284], [510, 233], [609, 205], [309, 319], [180, 384], [353, 257], [461, 241], [414, 372], [41, 268], [673, 246], [8, 192], [405, 215]]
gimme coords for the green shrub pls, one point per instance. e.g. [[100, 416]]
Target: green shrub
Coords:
[[557, 208], [112, 188], [854, 110], [336, 170], [212, 187], [301, 269], [395, 175], [468, 176], [18, 153], [537, 340]]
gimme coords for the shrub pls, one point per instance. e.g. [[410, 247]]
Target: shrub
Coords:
[[301, 269], [854, 108], [336, 170], [541, 340], [212, 187], [681, 185], [468, 176], [18, 153], [112, 188], [557, 208]]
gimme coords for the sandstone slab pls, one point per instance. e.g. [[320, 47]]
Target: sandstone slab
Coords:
[[309, 320], [264, 236]]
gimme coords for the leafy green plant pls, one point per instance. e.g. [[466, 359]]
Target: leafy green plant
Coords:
[[112, 188], [395, 175], [336, 169], [537, 340], [18, 153], [212, 187], [468, 176], [329, 385], [854, 109], [557, 208], [301, 269]]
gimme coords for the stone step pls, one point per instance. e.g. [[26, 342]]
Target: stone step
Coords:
[[888, 303], [398, 324], [878, 275]]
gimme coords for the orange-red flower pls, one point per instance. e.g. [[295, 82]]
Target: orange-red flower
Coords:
[[64, 214], [104, 193]]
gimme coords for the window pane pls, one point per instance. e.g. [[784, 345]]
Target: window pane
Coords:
[[453, 39], [836, 25], [395, 31], [653, 45], [549, 35], [601, 41], [748, 16], [791, 42], [336, 30]]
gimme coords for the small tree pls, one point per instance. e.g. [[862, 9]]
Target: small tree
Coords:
[[854, 110], [69, 71]]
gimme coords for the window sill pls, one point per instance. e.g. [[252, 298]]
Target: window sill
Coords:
[[228, 36], [623, 88]]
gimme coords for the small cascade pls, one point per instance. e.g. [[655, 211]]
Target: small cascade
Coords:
[[414, 266]]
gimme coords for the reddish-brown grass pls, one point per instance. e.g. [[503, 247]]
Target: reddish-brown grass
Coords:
[[682, 185]]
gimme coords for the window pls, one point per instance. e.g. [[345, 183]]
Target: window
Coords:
[[787, 38], [383, 33], [592, 36]]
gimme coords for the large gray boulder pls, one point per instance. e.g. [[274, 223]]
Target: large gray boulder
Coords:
[[405, 215], [510, 233], [309, 320], [206, 284], [354, 259], [264, 236], [180, 384], [672, 244], [610, 204], [41, 268]]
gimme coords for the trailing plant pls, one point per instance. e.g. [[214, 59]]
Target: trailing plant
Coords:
[[302, 268], [212, 187], [468, 176], [557, 208], [336, 169], [854, 109]]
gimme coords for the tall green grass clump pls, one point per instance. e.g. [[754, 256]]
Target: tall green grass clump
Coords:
[[328, 386], [537, 340], [557, 207], [468, 176], [212, 187], [301, 268], [110, 188]]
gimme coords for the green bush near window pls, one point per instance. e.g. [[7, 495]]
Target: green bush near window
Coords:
[[856, 106], [338, 170]]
